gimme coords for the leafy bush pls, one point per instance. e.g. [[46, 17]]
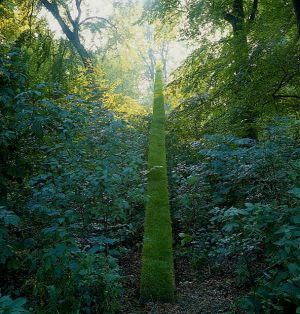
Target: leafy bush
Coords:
[[9, 306], [8, 220], [229, 171], [71, 182], [267, 236], [235, 199], [67, 278]]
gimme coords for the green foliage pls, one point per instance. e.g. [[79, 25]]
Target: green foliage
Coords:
[[9, 306], [8, 220], [229, 171], [257, 242], [219, 89], [272, 232], [72, 153], [70, 171], [157, 278], [70, 278], [234, 133]]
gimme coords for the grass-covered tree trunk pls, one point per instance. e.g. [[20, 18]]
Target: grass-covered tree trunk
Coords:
[[157, 275]]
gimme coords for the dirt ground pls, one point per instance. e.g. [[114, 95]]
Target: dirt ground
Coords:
[[193, 295]]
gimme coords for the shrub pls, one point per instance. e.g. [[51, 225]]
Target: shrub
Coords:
[[9, 306], [228, 171]]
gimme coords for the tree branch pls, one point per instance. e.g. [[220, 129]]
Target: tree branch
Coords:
[[73, 36], [284, 81], [53, 9], [78, 6], [98, 18], [280, 85], [230, 18], [70, 17], [287, 96]]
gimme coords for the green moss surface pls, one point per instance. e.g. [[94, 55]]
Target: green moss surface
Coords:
[[157, 276]]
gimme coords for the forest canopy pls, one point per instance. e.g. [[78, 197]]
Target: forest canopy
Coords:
[[79, 143]]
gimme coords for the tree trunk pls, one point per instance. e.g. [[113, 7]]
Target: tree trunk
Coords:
[[73, 36], [240, 55], [3, 195], [238, 13], [237, 17], [297, 12], [237, 20]]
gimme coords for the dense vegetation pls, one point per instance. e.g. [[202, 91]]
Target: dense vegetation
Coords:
[[74, 128]]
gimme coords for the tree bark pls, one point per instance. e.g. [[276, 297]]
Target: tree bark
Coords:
[[297, 12]]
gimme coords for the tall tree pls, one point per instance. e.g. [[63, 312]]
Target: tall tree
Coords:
[[239, 14], [70, 26]]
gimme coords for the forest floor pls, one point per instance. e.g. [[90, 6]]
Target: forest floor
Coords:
[[194, 295]]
